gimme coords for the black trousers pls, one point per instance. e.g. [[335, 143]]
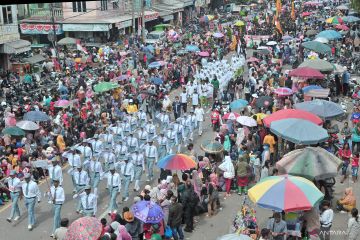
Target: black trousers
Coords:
[[184, 106], [345, 88], [189, 218]]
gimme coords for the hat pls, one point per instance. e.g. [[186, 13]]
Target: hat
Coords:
[[128, 216], [56, 180], [79, 166], [148, 187], [96, 136], [112, 168], [255, 95], [27, 175], [12, 172], [88, 187]]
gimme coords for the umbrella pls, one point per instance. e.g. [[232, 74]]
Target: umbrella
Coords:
[[351, 19], [342, 27], [239, 24], [247, 121], [27, 125], [176, 162], [271, 43], [287, 38], [305, 14], [322, 40], [162, 26], [156, 80], [67, 41], [36, 116], [292, 113], [122, 77], [310, 162], [322, 108], [285, 193], [154, 65], [306, 72], [192, 48], [299, 131], [318, 64], [182, 51], [105, 86], [262, 48], [252, 59], [259, 117], [329, 34], [283, 91], [150, 48], [147, 212], [234, 236], [311, 32], [203, 54], [342, 7], [62, 103], [212, 146], [339, 68], [231, 116], [317, 47], [218, 35], [264, 101], [85, 228], [310, 87], [238, 104], [334, 20], [13, 131]]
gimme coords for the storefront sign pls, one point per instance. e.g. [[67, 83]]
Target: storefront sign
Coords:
[[151, 16], [124, 24], [168, 18], [29, 28], [9, 37], [86, 27]]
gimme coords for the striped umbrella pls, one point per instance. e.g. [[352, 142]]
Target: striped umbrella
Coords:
[[335, 20], [283, 91], [285, 193], [231, 116], [177, 162]]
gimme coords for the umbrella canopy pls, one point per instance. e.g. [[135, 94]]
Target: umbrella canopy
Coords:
[[147, 212], [234, 236], [271, 43], [322, 108], [231, 116], [283, 91], [122, 77], [27, 125], [310, 162], [351, 19], [156, 80], [154, 65], [305, 14], [13, 131], [238, 104], [292, 113], [322, 40], [330, 34], [311, 32], [339, 68], [36, 116], [67, 41], [203, 54], [210, 146], [334, 20], [342, 27], [252, 59], [306, 73], [264, 101], [310, 87], [182, 51], [239, 24], [85, 228], [176, 162], [285, 193], [247, 121], [299, 131], [342, 7], [160, 27], [192, 48], [287, 38], [318, 64], [105, 86], [317, 47], [218, 35], [62, 103]]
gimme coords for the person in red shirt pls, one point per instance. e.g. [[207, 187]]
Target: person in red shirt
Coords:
[[355, 167], [345, 155]]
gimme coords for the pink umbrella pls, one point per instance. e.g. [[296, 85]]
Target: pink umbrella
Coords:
[[203, 54], [305, 14], [283, 91], [62, 103], [342, 27], [231, 116], [253, 59]]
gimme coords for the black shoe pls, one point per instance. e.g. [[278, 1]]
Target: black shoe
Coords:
[[9, 220], [188, 230]]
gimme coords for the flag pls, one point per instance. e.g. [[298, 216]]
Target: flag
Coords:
[[292, 10], [277, 25], [267, 19], [278, 7], [79, 47]]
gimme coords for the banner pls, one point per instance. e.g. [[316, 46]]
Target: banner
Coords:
[[293, 10]]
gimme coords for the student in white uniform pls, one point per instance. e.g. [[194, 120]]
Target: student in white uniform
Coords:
[[138, 161], [57, 199], [96, 174], [14, 184], [82, 179], [151, 157], [88, 202], [132, 143], [31, 192], [127, 173], [121, 150], [55, 172], [199, 115], [74, 161], [114, 186]]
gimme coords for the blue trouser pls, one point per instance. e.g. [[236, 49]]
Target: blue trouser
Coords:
[[149, 166], [138, 172], [142, 141], [15, 210], [162, 151], [122, 157], [132, 149], [171, 145], [95, 179], [113, 191], [79, 205], [73, 181], [176, 231], [57, 216], [30, 206], [88, 212], [126, 182]]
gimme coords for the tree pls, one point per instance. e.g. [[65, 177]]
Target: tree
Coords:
[[356, 5]]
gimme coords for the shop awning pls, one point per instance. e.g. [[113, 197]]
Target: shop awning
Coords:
[[35, 59], [16, 47]]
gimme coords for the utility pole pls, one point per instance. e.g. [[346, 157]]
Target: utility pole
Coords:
[[133, 16], [143, 21], [53, 40]]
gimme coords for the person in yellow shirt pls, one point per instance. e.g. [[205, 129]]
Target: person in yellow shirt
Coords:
[[270, 140]]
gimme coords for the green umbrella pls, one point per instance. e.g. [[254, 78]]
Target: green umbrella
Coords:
[[318, 64], [311, 32], [105, 86], [212, 146], [310, 162], [13, 131], [317, 47], [161, 27]]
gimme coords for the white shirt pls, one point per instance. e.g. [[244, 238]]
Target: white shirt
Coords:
[[95, 166], [138, 159], [33, 190], [121, 150], [183, 97], [74, 160], [89, 201], [85, 151], [127, 127], [132, 142], [172, 135], [151, 152], [143, 135], [163, 141], [127, 169], [150, 128], [60, 195], [108, 138], [142, 115], [118, 130], [108, 157], [195, 99], [57, 171], [97, 146], [14, 184], [326, 218], [116, 180], [81, 178], [199, 114]]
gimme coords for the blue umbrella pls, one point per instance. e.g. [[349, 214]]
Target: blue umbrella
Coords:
[[148, 212], [192, 48], [156, 80], [350, 19], [239, 104], [299, 131], [36, 116], [154, 65], [310, 87], [329, 34], [287, 38], [322, 108], [149, 48]]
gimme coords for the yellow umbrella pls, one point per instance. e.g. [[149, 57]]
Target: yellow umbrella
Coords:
[[259, 117], [239, 24], [210, 17]]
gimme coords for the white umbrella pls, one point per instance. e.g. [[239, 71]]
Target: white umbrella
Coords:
[[247, 121], [271, 43], [262, 48], [234, 236], [27, 125], [322, 40], [342, 7], [339, 68]]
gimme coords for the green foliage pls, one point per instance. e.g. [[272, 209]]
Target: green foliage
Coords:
[[356, 5]]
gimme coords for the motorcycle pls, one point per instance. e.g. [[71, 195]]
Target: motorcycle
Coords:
[[215, 120]]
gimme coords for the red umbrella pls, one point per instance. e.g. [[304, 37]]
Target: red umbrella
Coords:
[[283, 91], [292, 113], [231, 116], [85, 228], [342, 27], [253, 59], [306, 72], [305, 14]]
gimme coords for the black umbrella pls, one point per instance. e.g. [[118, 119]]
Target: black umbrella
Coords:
[[264, 101]]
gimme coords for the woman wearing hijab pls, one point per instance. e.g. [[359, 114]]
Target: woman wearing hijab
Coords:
[[347, 202], [197, 183], [60, 143], [229, 172], [120, 231]]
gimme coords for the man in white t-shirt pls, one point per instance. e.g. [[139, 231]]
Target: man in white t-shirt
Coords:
[[183, 100], [195, 99], [199, 114]]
